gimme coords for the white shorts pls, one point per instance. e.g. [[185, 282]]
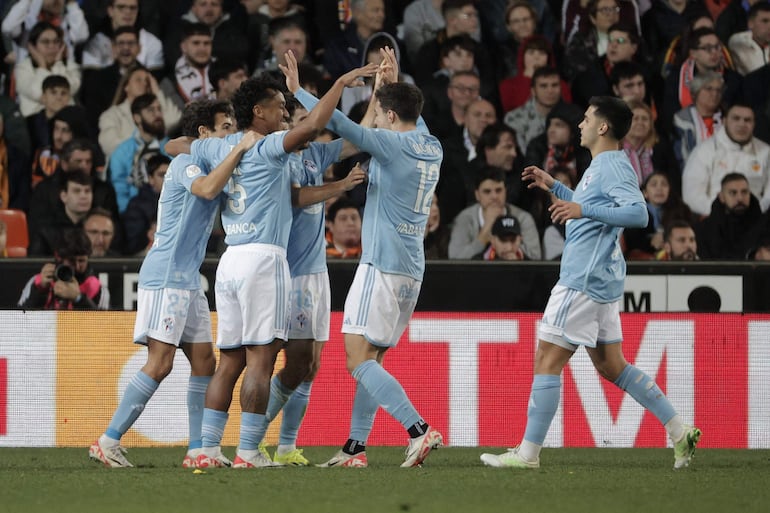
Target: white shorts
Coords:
[[252, 293], [379, 305], [172, 316], [573, 319], [311, 306]]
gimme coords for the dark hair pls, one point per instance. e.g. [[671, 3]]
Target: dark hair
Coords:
[[98, 211], [489, 173], [78, 177], [77, 144], [341, 204], [251, 92], [538, 42], [292, 104], [672, 225], [454, 5], [141, 102], [222, 68], [195, 29], [517, 4], [625, 28], [490, 137], [733, 177], [73, 243], [741, 104], [52, 81], [544, 71], [757, 8], [155, 161], [624, 70], [42, 26], [615, 113], [277, 25], [694, 40], [404, 99], [202, 113], [309, 75], [125, 29], [593, 7], [461, 41]]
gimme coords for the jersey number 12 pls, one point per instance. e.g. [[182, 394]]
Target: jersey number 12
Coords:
[[428, 180]]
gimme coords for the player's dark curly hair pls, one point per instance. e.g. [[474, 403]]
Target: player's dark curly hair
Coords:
[[251, 92], [203, 113], [404, 99], [615, 112]]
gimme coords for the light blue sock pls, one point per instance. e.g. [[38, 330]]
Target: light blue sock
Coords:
[[213, 427], [196, 397], [293, 413], [138, 392], [364, 410], [387, 392], [543, 402], [279, 394], [253, 427], [646, 392]]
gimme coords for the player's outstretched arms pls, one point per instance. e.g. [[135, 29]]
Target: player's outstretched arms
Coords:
[[304, 196], [210, 185]]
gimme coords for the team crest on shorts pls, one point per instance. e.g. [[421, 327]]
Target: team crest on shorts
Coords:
[[301, 320], [168, 325]]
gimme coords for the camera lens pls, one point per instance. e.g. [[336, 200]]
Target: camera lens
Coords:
[[64, 272]]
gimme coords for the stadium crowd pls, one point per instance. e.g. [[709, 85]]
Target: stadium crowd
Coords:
[[93, 89]]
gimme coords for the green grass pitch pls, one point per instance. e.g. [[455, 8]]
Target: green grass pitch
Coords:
[[452, 480]]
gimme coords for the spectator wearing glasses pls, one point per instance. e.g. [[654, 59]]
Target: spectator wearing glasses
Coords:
[[590, 41], [100, 229]]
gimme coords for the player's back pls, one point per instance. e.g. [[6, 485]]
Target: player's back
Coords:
[[257, 206], [182, 230], [402, 177]]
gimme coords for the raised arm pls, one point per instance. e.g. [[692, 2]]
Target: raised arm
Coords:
[[210, 185], [179, 145], [304, 196]]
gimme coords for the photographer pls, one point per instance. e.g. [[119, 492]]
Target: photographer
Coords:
[[69, 283]]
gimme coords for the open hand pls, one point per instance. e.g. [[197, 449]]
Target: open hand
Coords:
[[354, 78], [355, 176], [291, 72], [562, 211], [538, 177]]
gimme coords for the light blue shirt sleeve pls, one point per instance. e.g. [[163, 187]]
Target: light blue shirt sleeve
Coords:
[[561, 191]]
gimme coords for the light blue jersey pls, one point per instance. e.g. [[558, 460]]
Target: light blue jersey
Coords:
[[403, 174], [182, 232], [257, 207], [610, 200], [307, 241]]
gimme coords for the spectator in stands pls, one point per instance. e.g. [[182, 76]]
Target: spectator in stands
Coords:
[[751, 49], [74, 202], [117, 123], [728, 232], [705, 54], [595, 80], [644, 148], [47, 56], [577, 14], [346, 51], [67, 124], [497, 148], [422, 22], [190, 79], [436, 241], [734, 18], [732, 149], [264, 26], [495, 21], [128, 164], [285, 34], [227, 30], [679, 49], [142, 210], [665, 21], [99, 85], [559, 145], [14, 173], [100, 51], [24, 14], [529, 120], [757, 94], [459, 150], [462, 90], [521, 24], [699, 121], [15, 125], [472, 228], [100, 229], [591, 42], [680, 243], [69, 283], [78, 155], [504, 241], [663, 205], [461, 18], [226, 76], [54, 97], [343, 226], [534, 52]]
